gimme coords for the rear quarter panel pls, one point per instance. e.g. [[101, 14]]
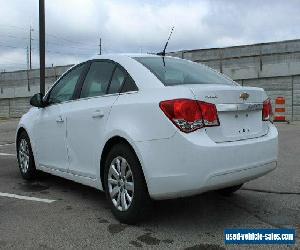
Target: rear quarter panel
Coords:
[[138, 115]]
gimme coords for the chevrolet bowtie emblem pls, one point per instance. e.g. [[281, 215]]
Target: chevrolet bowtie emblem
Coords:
[[244, 96]]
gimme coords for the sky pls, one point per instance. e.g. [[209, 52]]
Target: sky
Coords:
[[74, 27]]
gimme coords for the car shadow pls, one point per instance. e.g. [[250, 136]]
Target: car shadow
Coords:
[[200, 212]]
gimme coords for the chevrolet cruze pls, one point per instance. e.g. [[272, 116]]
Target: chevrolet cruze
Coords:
[[147, 127]]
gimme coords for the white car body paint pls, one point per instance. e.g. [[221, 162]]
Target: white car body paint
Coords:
[[68, 138]]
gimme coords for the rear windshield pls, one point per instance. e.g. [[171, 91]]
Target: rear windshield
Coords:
[[173, 71]]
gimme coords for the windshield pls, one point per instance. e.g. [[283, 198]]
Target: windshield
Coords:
[[173, 71]]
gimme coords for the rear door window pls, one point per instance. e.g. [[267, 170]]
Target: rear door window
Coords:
[[129, 85], [117, 81], [97, 79]]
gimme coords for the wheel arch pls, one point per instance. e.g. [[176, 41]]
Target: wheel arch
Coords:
[[107, 147], [19, 131]]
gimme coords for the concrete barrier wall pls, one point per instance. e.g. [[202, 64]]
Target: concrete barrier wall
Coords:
[[17, 87], [272, 66]]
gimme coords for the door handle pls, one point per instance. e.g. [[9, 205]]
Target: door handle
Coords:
[[59, 119], [98, 114]]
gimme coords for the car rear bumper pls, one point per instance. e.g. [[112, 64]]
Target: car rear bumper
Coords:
[[188, 164]]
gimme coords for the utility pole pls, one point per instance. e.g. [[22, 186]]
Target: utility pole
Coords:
[[100, 46], [27, 57], [30, 47], [42, 45], [27, 71]]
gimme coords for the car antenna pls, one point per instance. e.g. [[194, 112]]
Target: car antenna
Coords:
[[163, 53]]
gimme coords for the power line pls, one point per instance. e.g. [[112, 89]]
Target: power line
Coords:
[[12, 26], [47, 34], [68, 53], [82, 46], [81, 49], [11, 63], [12, 36], [50, 51], [34, 41], [69, 46], [9, 46], [65, 39]]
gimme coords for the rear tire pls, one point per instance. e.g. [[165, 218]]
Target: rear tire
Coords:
[[125, 185], [25, 157], [230, 190]]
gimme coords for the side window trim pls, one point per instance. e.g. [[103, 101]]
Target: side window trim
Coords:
[[82, 78], [111, 77]]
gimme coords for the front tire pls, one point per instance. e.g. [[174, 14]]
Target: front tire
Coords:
[[125, 185], [25, 157]]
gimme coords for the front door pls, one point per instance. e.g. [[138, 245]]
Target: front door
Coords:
[[50, 126], [50, 139]]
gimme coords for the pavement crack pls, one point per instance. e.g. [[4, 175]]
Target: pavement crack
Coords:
[[269, 191], [251, 213]]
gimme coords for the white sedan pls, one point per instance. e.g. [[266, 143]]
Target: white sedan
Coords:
[[146, 127]]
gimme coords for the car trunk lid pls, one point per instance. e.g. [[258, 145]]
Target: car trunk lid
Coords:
[[239, 111]]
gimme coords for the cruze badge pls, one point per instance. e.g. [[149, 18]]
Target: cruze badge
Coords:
[[211, 96], [244, 96]]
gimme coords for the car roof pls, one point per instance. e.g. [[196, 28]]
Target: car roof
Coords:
[[122, 55], [141, 75]]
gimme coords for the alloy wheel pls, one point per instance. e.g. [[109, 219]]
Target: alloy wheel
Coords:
[[23, 155], [120, 183]]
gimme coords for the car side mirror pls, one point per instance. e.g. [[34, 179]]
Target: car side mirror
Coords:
[[37, 101]]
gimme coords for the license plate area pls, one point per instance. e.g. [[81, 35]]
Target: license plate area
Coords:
[[238, 125]]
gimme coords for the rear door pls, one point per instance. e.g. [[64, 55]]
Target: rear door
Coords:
[[87, 117]]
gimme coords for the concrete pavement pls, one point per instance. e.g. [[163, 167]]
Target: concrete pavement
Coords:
[[80, 217]]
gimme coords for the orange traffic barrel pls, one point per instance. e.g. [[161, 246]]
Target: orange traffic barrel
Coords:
[[279, 109]]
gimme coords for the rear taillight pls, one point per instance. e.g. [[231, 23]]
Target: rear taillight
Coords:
[[190, 115], [267, 110]]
